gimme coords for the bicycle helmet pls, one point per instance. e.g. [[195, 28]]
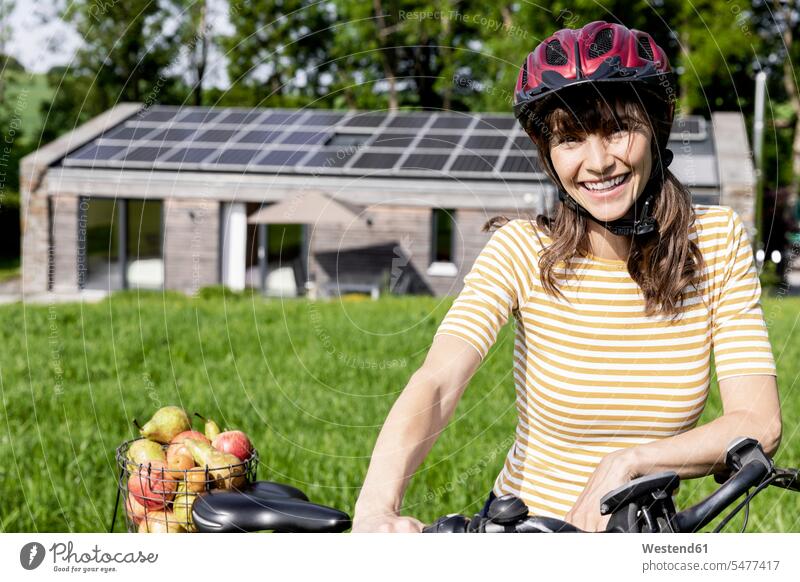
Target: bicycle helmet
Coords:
[[600, 52]]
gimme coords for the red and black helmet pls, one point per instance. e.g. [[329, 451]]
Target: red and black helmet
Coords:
[[599, 52]]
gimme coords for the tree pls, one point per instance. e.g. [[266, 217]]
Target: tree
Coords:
[[279, 52], [126, 57]]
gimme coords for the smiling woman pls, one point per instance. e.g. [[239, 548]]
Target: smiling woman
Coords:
[[620, 301]]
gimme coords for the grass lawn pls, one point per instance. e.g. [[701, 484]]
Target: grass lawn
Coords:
[[311, 384]]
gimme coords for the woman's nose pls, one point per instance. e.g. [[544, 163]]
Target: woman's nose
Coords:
[[599, 160]]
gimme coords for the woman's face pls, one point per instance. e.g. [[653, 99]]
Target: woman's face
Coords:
[[604, 174]]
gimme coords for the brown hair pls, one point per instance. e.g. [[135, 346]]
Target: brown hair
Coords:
[[662, 262]]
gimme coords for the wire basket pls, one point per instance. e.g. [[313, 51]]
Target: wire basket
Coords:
[[159, 499]]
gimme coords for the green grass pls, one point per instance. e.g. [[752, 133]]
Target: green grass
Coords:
[[298, 377]]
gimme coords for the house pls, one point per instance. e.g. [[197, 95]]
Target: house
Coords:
[[164, 197]]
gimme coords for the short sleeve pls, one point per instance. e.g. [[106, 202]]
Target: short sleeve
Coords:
[[739, 334], [491, 291]]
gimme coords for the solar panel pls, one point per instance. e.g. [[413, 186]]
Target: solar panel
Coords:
[[189, 155], [353, 139], [366, 120], [281, 158], [260, 136], [97, 152], [330, 159], [496, 122], [441, 141], [520, 164], [202, 116], [486, 142], [241, 117], [144, 154], [216, 135], [473, 163], [414, 121], [172, 134], [425, 161], [523, 142], [376, 161], [323, 119], [158, 114], [283, 117], [305, 137], [235, 156], [452, 122], [130, 132], [393, 140]]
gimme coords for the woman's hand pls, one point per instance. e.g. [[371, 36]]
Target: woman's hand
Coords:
[[386, 524], [614, 470]]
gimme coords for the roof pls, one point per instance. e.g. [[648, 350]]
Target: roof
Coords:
[[316, 142]]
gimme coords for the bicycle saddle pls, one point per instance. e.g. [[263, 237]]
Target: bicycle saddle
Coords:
[[265, 506]]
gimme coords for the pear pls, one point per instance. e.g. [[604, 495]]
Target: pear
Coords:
[[166, 423], [182, 509], [143, 451], [211, 429], [226, 469], [195, 481], [160, 522]]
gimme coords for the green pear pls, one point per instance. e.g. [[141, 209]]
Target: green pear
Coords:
[[143, 451], [165, 424], [182, 509], [211, 429], [225, 468]]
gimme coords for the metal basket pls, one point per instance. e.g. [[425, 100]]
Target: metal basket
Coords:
[[158, 499]]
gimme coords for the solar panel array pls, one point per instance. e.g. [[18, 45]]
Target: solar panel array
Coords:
[[324, 142]]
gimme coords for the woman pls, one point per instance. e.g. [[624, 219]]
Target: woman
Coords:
[[619, 300]]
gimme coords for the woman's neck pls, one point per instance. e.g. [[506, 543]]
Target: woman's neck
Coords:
[[606, 245]]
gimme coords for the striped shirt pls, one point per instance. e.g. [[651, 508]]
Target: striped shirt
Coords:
[[594, 374]]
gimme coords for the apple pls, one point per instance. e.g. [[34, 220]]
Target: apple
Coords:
[[134, 509], [234, 442], [152, 485]]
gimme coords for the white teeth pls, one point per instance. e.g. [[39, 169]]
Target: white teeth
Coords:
[[605, 185]]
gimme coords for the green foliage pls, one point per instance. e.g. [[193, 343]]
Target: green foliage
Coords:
[[311, 383]]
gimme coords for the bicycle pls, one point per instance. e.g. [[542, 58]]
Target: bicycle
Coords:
[[643, 505]]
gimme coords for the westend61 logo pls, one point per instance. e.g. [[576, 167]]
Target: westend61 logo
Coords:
[[65, 559]]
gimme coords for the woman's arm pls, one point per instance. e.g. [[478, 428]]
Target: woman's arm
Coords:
[[750, 408], [414, 423]]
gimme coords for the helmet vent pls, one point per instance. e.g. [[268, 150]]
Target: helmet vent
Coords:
[[554, 53], [525, 74], [602, 43], [644, 49]]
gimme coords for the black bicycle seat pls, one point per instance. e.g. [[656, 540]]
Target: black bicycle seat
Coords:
[[273, 489], [225, 511]]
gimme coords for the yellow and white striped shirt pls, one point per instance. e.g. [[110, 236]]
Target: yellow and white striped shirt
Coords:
[[594, 374]]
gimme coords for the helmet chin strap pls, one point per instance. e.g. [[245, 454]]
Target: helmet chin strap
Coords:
[[639, 218]]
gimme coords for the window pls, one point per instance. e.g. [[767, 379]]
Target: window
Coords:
[[103, 262], [442, 238]]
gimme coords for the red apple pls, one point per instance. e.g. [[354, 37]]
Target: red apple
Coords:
[[134, 509], [234, 442], [152, 485]]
